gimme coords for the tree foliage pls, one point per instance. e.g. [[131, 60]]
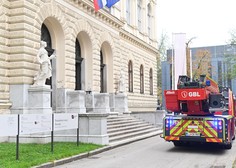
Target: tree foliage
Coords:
[[230, 59], [232, 40], [231, 66], [201, 63], [162, 48]]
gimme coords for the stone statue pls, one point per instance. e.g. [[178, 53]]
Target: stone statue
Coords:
[[121, 82], [45, 70]]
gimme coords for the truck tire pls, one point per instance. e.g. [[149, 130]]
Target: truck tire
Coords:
[[177, 143], [228, 145]]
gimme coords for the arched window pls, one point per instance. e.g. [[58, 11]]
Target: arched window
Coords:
[[128, 14], [151, 81], [78, 63], [141, 80], [139, 15], [45, 36], [149, 18], [102, 74], [130, 75]]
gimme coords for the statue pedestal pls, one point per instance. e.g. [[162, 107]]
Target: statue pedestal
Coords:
[[39, 99], [76, 101], [97, 103], [112, 102], [121, 103]]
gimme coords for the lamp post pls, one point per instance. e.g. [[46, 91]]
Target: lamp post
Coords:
[[189, 58]]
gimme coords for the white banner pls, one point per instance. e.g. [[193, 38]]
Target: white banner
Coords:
[[8, 125], [65, 121], [35, 123], [179, 44]]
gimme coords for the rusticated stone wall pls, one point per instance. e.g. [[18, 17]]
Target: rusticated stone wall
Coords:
[[20, 30]]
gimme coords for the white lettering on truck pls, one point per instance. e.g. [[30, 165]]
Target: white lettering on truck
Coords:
[[194, 94], [190, 94]]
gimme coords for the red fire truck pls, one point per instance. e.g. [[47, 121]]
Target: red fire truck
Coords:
[[200, 112]]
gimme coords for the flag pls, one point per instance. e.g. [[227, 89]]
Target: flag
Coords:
[[110, 3], [179, 44], [99, 4]]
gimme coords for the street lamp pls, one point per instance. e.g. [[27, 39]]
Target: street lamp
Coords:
[[189, 58]]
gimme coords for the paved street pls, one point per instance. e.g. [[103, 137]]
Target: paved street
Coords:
[[156, 153]]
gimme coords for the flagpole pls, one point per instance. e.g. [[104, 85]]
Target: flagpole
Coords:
[[172, 63], [172, 67], [191, 65]]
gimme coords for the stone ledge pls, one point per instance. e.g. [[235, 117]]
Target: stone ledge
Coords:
[[94, 115]]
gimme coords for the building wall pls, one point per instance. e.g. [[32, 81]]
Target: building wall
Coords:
[[21, 22], [4, 59]]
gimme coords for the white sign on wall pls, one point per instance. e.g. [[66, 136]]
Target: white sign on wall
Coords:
[[8, 125], [65, 121], [35, 123]]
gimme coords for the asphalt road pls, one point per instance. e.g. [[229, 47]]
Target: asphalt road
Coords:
[[156, 153]]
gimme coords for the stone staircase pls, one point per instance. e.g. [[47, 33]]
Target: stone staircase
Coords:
[[126, 129]]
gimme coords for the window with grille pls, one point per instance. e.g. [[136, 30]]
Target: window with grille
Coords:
[[151, 81], [139, 15], [130, 75], [128, 15], [141, 80], [149, 19], [78, 63]]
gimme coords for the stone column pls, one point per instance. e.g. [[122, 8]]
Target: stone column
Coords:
[[93, 128], [94, 123]]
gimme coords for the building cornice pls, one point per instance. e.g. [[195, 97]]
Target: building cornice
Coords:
[[103, 15], [87, 6], [138, 42]]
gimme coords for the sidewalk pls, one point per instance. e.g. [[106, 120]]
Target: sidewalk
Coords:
[[97, 151]]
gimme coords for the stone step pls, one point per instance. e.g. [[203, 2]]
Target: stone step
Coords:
[[123, 122], [127, 127], [112, 120], [124, 125], [128, 131], [131, 135], [135, 138]]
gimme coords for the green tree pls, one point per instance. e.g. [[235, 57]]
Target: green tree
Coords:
[[162, 49], [201, 63], [230, 59]]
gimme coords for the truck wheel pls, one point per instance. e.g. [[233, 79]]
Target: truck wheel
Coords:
[[177, 143], [228, 145]]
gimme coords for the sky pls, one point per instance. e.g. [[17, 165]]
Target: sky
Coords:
[[209, 22]]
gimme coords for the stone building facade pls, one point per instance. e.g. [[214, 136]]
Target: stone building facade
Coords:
[[92, 49]]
